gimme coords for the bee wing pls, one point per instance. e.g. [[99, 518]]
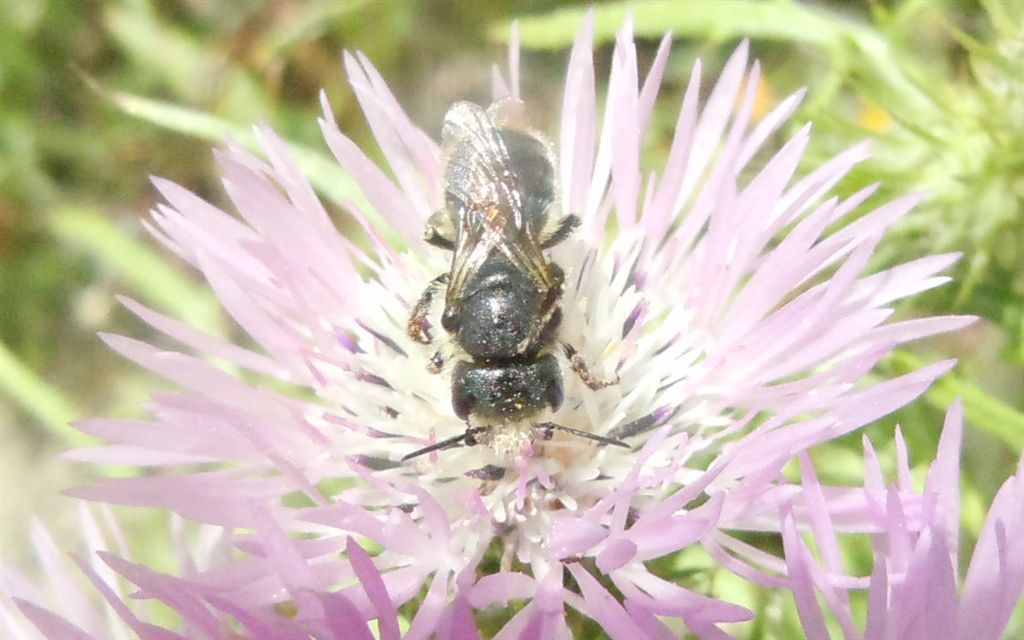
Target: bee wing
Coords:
[[480, 175]]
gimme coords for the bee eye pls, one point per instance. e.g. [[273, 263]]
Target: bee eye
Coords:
[[449, 321], [554, 395], [462, 403]]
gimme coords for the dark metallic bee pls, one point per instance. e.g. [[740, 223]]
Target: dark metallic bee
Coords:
[[503, 299]]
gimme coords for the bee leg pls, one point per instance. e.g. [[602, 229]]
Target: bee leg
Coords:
[[418, 327], [434, 237], [439, 231], [548, 429], [644, 424], [436, 363], [488, 472], [565, 227], [579, 367]]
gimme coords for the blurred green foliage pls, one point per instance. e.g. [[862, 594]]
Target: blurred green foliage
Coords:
[[96, 96]]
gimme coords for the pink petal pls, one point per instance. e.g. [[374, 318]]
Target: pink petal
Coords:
[[801, 569], [573, 536], [943, 477], [576, 144], [50, 624], [343, 619], [615, 555], [602, 607], [994, 585], [372, 583], [382, 194], [459, 623]]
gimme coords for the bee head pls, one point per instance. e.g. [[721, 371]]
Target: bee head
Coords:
[[507, 392]]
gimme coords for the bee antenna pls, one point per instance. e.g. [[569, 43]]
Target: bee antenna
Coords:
[[454, 441], [549, 427]]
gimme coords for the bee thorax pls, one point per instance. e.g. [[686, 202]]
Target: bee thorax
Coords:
[[500, 312]]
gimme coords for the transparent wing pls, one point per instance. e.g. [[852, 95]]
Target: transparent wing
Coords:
[[481, 178]]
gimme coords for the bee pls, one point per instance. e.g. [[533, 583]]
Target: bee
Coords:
[[503, 297]]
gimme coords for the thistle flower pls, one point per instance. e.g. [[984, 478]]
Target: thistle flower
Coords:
[[913, 591], [61, 609], [738, 328], [25, 603]]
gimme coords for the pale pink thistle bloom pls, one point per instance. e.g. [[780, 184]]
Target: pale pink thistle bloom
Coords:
[[707, 312], [25, 604], [914, 592], [118, 606]]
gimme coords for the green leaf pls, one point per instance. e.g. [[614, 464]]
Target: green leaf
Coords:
[[162, 51], [980, 408], [769, 19], [845, 41], [149, 276], [35, 396], [303, 22]]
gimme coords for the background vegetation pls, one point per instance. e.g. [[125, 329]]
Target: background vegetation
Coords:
[[96, 96]]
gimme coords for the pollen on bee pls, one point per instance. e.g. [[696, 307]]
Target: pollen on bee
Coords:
[[508, 440]]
